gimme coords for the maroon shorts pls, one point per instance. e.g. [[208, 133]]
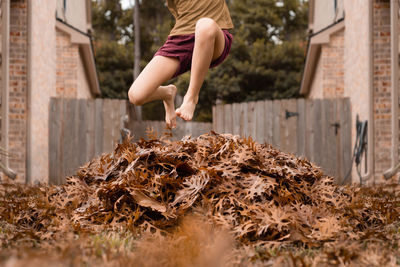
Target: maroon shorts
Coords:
[[181, 47]]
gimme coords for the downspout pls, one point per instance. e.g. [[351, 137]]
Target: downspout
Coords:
[[29, 97], [371, 148], [394, 48], [5, 76]]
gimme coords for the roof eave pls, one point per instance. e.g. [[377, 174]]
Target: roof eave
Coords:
[[85, 46], [313, 52]]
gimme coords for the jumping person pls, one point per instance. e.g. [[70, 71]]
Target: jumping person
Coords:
[[199, 40]]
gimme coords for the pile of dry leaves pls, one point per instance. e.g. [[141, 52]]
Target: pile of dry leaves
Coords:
[[261, 196]]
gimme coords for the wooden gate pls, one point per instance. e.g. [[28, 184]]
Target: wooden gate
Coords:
[[319, 129], [81, 129]]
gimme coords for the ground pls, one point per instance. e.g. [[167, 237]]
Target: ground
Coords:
[[217, 200]]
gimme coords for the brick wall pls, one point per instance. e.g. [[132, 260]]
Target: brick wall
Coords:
[[382, 85], [67, 66], [332, 62], [18, 87]]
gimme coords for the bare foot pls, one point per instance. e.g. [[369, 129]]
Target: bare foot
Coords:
[[169, 105], [186, 110]]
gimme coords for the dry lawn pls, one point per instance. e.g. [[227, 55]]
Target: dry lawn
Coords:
[[217, 200]]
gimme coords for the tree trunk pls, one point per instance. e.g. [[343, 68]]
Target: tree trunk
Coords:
[[136, 23]]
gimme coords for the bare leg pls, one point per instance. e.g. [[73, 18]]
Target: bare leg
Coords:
[[147, 87], [209, 45]]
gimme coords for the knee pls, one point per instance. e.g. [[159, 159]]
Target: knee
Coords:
[[207, 28], [135, 98]]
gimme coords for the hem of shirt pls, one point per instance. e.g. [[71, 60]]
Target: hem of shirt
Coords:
[[192, 32]]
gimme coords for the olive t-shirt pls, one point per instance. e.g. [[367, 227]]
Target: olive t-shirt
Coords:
[[188, 12]]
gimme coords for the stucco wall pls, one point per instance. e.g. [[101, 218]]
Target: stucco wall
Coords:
[[325, 14], [74, 14], [356, 62], [43, 84]]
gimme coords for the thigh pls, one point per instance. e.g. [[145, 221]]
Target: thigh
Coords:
[[219, 45], [159, 70]]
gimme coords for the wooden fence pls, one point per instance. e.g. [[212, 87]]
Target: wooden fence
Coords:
[[319, 130], [81, 129]]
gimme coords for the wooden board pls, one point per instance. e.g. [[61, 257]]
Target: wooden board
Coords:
[[220, 119], [269, 121], [260, 119], [301, 127], [228, 119], [243, 120], [288, 126], [108, 125], [317, 125], [276, 122], [82, 129], [99, 130], [345, 137], [251, 119], [90, 130], [55, 141], [70, 140], [309, 143], [236, 114], [329, 131]]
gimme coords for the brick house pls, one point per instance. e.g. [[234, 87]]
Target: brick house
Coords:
[[353, 53], [46, 52]]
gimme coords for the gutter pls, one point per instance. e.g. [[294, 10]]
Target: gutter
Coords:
[[315, 41], [394, 48], [29, 155], [5, 68], [84, 41]]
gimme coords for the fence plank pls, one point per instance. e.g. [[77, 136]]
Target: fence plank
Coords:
[[288, 126], [90, 128], [269, 121], [54, 140], [301, 127], [329, 133], [276, 131], [99, 130], [251, 118], [260, 119], [317, 125], [108, 123], [236, 113], [70, 140], [214, 118], [345, 140], [82, 128], [309, 130], [220, 119], [228, 119], [243, 119]]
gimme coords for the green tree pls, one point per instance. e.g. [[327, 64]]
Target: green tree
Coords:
[[266, 58], [265, 62]]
